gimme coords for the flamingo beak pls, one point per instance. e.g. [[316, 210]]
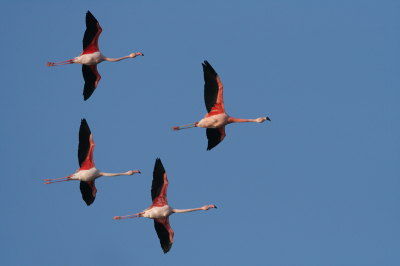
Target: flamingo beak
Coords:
[[267, 118]]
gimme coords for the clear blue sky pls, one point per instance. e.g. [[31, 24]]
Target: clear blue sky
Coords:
[[318, 185]]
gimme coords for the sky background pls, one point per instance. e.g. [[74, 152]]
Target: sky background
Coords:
[[318, 185]]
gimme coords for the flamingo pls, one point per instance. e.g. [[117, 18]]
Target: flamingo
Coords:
[[216, 119], [159, 210], [91, 56], [87, 172]]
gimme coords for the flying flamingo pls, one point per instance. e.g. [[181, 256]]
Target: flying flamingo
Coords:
[[216, 119], [87, 172], [91, 56], [159, 211]]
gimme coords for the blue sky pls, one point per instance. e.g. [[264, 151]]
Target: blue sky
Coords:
[[318, 185]]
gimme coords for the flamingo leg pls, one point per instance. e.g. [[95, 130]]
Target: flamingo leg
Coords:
[[70, 61], [185, 126], [136, 215], [61, 179]]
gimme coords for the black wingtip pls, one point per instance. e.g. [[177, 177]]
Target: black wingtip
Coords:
[[87, 193], [84, 125]]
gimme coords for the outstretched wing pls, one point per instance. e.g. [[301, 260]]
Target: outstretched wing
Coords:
[[92, 78], [212, 91], [92, 33], [215, 136], [88, 191], [159, 185], [164, 233], [86, 147]]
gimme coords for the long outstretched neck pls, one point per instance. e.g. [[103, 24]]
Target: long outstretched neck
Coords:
[[121, 58], [130, 172], [204, 208], [70, 61], [238, 120]]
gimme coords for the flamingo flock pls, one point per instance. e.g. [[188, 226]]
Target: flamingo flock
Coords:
[[214, 121]]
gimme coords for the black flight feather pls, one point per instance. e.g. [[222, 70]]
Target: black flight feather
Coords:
[[90, 81], [158, 179], [84, 141], [91, 30], [214, 137], [87, 193], [210, 86], [163, 235]]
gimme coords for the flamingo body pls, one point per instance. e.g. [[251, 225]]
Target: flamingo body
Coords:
[[91, 56], [216, 118], [160, 210], [157, 212], [86, 175], [215, 121], [87, 172], [89, 59]]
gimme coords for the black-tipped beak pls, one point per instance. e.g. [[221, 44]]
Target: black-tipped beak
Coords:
[[215, 206], [268, 119]]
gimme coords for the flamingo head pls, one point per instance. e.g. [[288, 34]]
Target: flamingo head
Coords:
[[132, 55], [207, 207], [262, 119], [131, 172]]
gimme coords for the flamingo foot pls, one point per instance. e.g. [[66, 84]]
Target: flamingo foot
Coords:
[[174, 128], [50, 64]]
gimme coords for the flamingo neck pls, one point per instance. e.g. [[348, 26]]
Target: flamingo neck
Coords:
[[186, 210], [115, 59], [114, 174], [238, 120]]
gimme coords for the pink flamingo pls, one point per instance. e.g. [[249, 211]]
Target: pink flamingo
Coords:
[[216, 119], [159, 211], [91, 56], [87, 172]]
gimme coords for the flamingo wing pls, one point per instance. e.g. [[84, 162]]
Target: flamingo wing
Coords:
[[92, 33], [213, 90], [92, 78], [164, 232], [88, 191], [159, 185], [86, 147], [215, 136]]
